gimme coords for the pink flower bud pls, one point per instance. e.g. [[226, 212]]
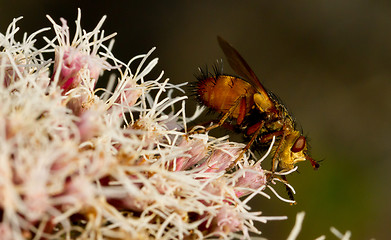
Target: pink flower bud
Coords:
[[89, 125], [252, 178], [10, 74], [226, 221], [72, 62], [6, 231], [198, 150], [130, 94], [222, 158], [78, 190], [78, 104]]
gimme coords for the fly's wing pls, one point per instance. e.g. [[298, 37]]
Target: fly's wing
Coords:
[[240, 66]]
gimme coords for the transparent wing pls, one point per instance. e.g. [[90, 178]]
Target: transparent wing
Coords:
[[240, 66]]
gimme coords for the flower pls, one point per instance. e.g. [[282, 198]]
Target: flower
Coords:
[[72, 59], [88, 163]]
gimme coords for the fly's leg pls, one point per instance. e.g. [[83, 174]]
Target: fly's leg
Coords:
[[288, 189], [271, 176], [268, 138], [282, 178], [247, 147], [274, 161], [238, 102]]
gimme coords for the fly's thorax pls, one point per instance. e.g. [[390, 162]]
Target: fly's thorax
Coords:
[[262, 101]]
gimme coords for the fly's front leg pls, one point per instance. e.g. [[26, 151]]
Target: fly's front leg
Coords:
[[288, 190], [267, 138], [274, 161]]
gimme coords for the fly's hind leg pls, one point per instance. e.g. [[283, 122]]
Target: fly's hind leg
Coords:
[[241, 102]]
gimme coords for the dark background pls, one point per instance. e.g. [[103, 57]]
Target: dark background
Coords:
[[329, 61]]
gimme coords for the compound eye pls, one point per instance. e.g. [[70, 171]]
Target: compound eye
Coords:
[[299, 144]]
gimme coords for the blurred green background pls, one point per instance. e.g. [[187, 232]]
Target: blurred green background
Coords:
[[329, 61]]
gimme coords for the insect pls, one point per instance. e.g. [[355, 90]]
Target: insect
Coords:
[[252, 109]]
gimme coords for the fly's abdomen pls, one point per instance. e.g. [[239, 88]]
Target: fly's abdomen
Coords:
[[221, 92]]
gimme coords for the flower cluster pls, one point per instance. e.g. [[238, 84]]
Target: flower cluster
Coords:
[[77, 161]]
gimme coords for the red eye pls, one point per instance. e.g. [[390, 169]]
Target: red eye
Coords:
[[299, 144]]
